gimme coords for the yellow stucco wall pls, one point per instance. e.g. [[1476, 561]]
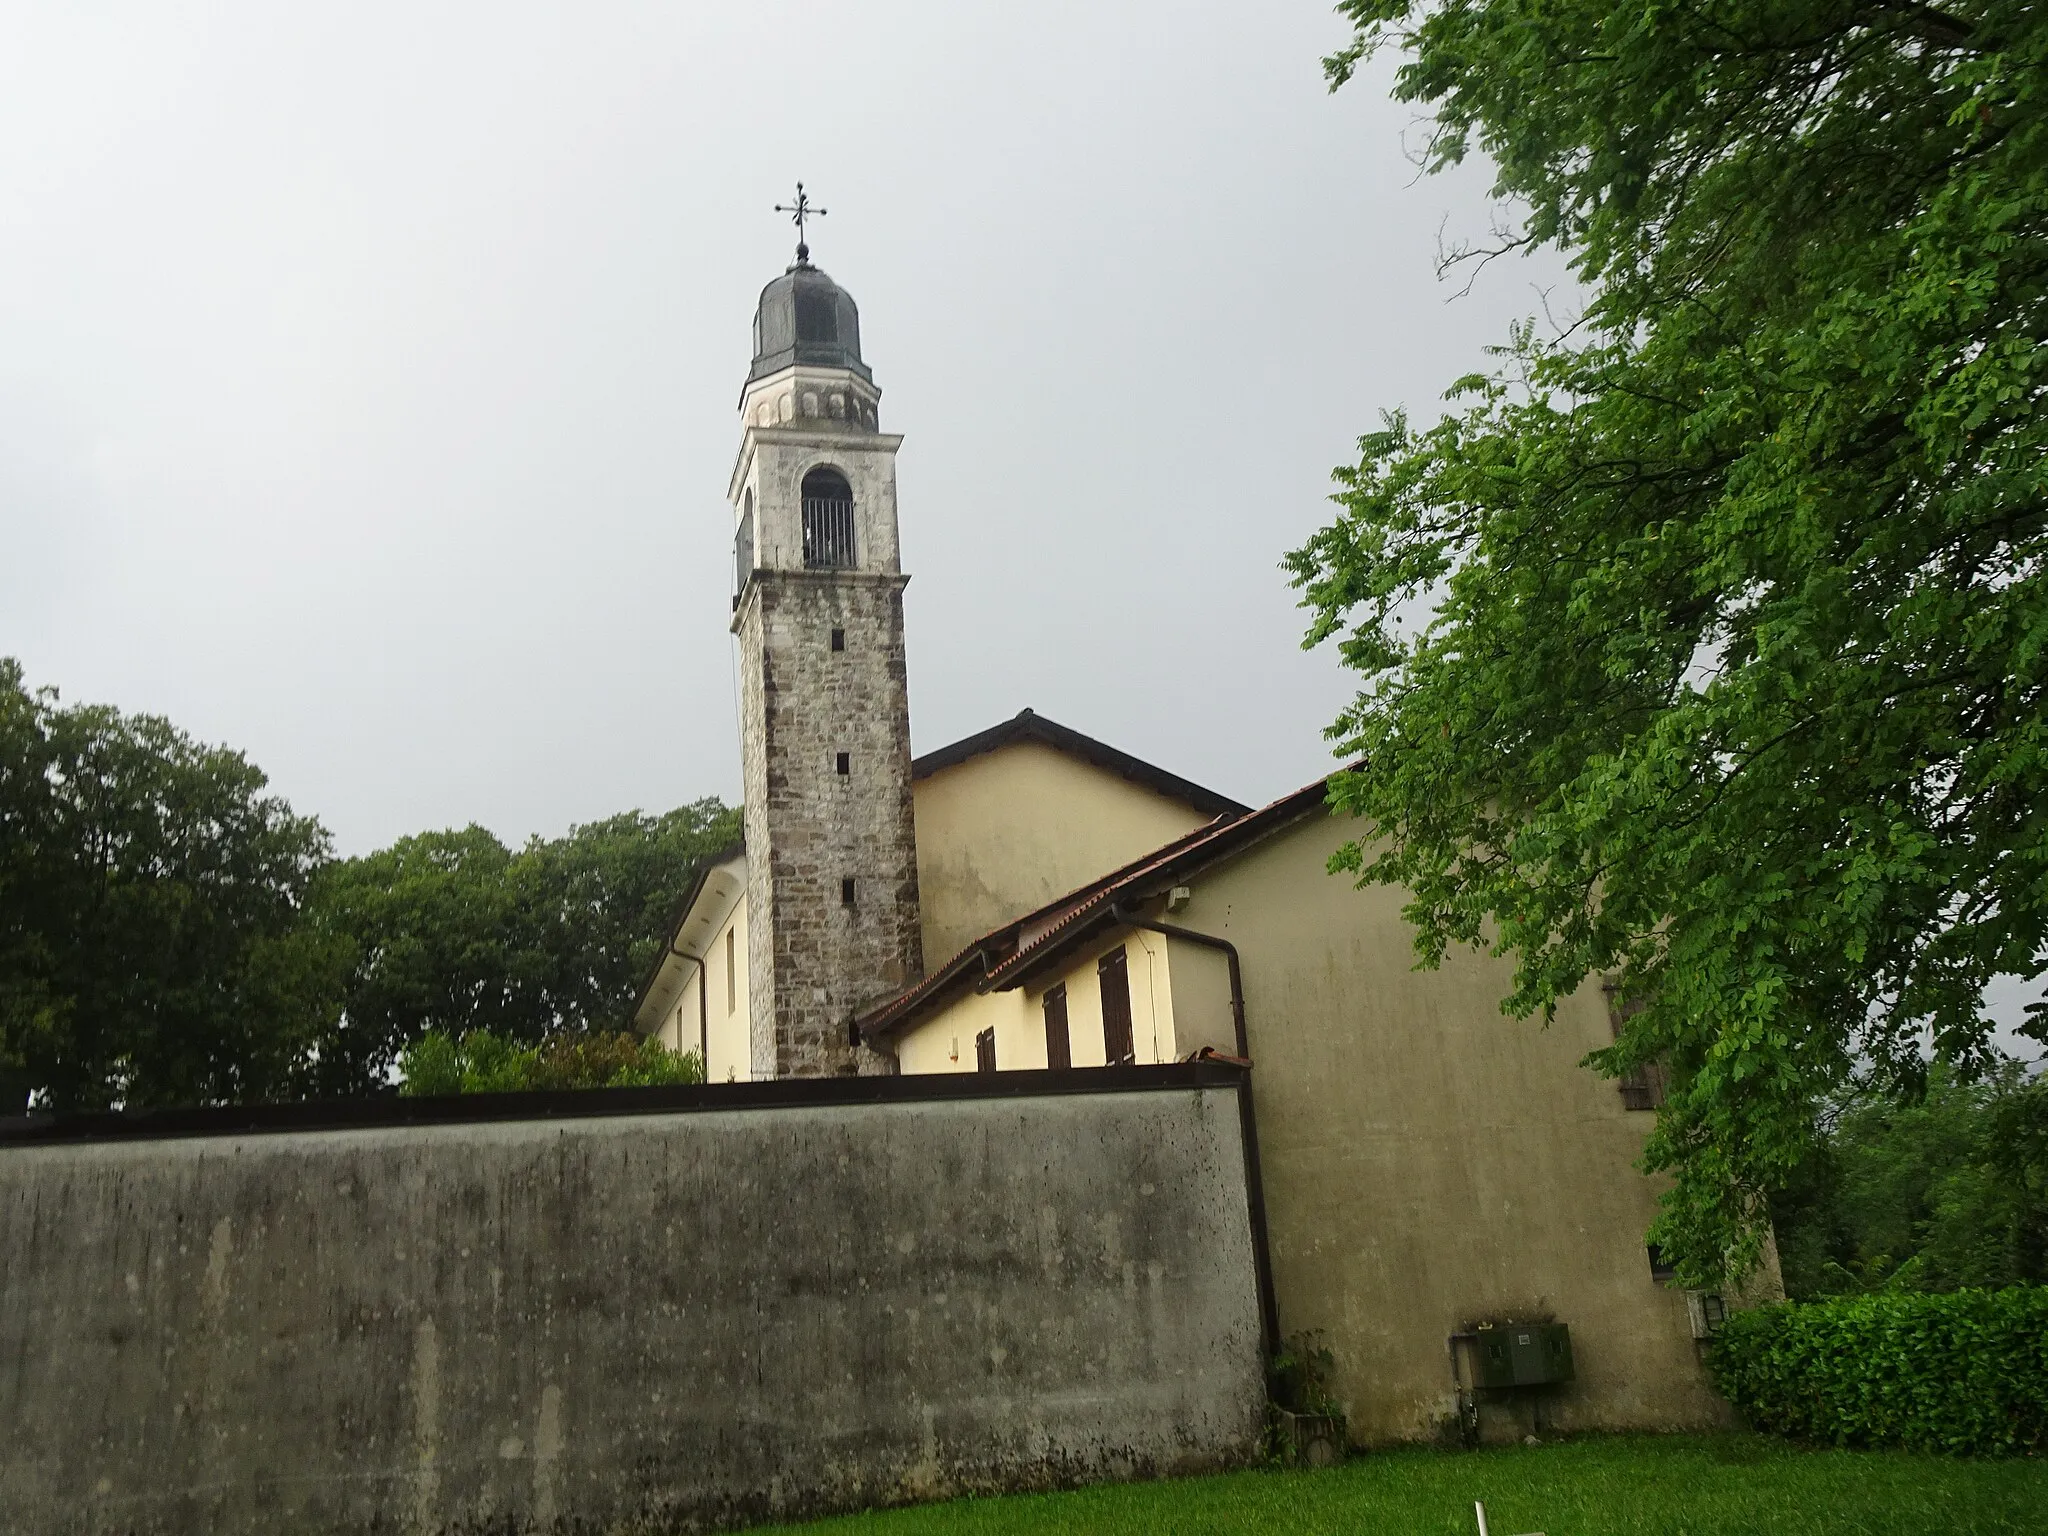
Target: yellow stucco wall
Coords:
[[1004, 833], [730, 1047], [1201, 998], [945, 1042], [947, 1045], [1428, 1162], [679, 1026], [720, 1029], [1147, 965]]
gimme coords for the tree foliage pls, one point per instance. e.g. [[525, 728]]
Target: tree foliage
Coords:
[[1730, 682], [481, 1062], [453, 932], [172, 933], [1946, 1191], [151, 891]]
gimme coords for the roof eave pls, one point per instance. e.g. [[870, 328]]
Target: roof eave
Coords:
[[668, 949], [1028, 725], [1091, 914]]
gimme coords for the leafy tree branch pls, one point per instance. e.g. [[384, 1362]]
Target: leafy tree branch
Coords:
[[1729, 682]]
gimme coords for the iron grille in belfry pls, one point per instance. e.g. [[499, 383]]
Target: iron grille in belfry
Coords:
[[828, 533]]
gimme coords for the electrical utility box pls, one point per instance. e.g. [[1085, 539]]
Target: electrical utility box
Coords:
[[1522, 1355]]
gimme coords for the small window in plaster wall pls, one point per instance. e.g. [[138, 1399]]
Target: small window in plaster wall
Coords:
[[1059, 1054], [985, 1050], [1641, 1087], [732, 975], [845, 764], [1113, 972], [846, 891]]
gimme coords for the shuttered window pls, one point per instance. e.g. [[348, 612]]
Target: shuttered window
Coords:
[[1113, 972], [985, 1050], [1058, 1054], [1641, 1087]]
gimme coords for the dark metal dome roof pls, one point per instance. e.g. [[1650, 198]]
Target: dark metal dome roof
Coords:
[[805, 317]]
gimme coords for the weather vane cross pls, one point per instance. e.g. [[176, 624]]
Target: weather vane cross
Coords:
[[799, 211]]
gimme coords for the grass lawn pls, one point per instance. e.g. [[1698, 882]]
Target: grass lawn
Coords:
[[1633, 1486]]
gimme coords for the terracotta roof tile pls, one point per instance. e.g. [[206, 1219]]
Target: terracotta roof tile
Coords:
[[1003, 957]]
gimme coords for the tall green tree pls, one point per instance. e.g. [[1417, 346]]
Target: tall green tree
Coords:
[[453, 932], [1946, 1190], [1702, 642], [151, 950]]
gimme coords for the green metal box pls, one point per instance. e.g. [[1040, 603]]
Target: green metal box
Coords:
[[1522, 1355]]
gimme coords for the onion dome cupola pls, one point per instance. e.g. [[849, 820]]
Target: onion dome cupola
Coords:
[[806, 318]]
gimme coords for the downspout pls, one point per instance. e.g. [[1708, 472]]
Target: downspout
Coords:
[[1255, 1185]]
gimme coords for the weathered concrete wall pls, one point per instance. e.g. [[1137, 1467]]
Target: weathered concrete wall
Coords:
[[644, 1323]]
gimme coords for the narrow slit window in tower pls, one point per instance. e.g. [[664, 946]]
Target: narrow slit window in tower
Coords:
[[846, 892], [845, 764], [828, 521], [838, 639]]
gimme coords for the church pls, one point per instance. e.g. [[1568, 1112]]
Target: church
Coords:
[[1030, 899]]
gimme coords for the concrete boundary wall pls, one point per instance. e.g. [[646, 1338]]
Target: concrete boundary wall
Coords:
[[648, 1311]]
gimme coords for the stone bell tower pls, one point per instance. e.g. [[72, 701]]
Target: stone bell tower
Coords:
[[824, 707]]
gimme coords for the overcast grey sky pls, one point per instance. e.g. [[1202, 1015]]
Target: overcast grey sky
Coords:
[[368, 386]]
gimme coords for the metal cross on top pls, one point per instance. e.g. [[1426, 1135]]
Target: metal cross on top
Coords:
[[798, 211]]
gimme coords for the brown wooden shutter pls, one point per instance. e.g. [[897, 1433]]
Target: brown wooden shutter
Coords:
[[1113, 972], [985, 1050], [1641, 1087], [1058, 1054]]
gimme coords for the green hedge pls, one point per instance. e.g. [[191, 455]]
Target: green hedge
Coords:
[[1964, 1372], [481, 1062]]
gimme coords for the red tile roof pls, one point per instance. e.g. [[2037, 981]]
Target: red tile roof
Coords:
[[1007, 956]]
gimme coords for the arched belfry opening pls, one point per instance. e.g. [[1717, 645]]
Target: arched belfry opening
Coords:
[[828, 521]]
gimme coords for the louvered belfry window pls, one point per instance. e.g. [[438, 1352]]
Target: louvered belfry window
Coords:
[[828, 521], [1112, 971]]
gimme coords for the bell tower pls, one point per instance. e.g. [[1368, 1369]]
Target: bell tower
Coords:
[[824, 703]]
